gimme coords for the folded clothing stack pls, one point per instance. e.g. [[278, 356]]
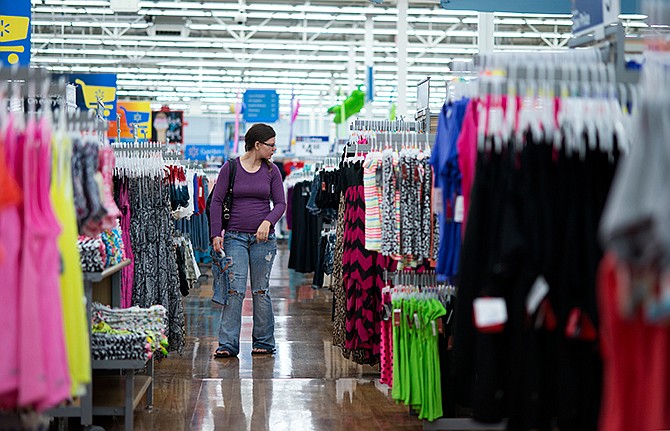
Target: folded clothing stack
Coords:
[[120, 346], [92, 254], [128, 333]]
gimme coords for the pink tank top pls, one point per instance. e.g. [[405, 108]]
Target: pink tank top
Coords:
[[41, 343], [10, 237]]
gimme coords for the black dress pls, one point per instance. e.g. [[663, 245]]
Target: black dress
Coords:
[[305, 231]]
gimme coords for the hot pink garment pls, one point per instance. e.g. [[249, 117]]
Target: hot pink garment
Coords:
[[386, 348], [10, 236], [106, 162], [467, 156], [43, 379], [51, 304], [33, 385], [128, 272]]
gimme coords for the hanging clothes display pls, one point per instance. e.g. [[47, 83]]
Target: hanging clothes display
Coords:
[[192, 220], [358, 292], [377, 191], [416, 328], [632, 281], [156, 279], [45, 359], [187, 266], [305, 228], [543, 172], [445, 161]]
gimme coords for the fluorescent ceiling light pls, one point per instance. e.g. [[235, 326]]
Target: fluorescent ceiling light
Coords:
[[76, 2], [72, 10], [89, 24]]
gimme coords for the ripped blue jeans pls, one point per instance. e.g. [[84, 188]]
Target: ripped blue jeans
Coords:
[[246, 256]]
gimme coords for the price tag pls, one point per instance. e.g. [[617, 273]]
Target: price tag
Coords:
[[438, 201], [490, 313], [432, 323], [459, 209], [416, 321], [397, 315], [536, 295]]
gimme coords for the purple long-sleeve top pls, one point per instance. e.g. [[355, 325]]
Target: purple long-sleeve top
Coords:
[[252, 193]]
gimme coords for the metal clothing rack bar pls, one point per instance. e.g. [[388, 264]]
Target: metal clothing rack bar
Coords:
[[23, 74], [384, 125], [613, 50]]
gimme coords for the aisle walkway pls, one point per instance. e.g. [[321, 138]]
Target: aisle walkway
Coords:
[[307, 385]]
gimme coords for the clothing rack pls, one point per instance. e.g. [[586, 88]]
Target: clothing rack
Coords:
[[385, 126], [612, 47], [136, 146]]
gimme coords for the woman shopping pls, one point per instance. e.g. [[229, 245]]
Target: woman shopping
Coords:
[[249, 241]]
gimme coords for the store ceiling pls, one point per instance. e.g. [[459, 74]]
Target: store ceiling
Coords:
[[184, 52]]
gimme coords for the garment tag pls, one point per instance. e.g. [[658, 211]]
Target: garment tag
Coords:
[[434, 325], [416, 321], [440, 326], [438, 202], [536, 295], [490, 312], [397, 315], [459, 209]]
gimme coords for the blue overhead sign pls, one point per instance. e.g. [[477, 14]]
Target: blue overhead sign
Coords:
[[203, 152], [588, 15], [15, 32], [261, 106], [93, 88]]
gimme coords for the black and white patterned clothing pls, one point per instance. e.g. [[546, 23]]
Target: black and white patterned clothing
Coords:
[[410, 204], [156, 280], [390, 246]]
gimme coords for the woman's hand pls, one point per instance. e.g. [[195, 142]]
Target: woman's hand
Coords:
[[263, 231], [217, 243]]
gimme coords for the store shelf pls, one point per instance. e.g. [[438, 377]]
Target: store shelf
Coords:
[[109, 394], [99, 276], [71, 410], [461, 424], [118, 364]]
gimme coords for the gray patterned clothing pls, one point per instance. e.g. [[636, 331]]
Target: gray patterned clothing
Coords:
[[389, 185], [156, 281]]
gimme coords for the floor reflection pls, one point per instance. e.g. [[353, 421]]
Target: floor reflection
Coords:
[[306, 385]]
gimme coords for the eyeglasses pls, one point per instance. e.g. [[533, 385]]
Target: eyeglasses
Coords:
[[268, 145]]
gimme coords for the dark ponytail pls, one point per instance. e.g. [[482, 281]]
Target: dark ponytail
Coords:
[[258, 133]]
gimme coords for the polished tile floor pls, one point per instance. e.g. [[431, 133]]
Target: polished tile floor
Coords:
[[306, 385]]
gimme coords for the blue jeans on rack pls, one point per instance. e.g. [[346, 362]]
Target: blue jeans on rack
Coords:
[[255, 258]]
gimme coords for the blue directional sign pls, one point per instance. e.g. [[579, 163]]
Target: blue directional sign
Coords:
[[202, 152], [589, 14], [15, 32], [261, 106]]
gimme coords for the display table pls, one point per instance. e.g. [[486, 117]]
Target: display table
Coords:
[[117, 394]]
